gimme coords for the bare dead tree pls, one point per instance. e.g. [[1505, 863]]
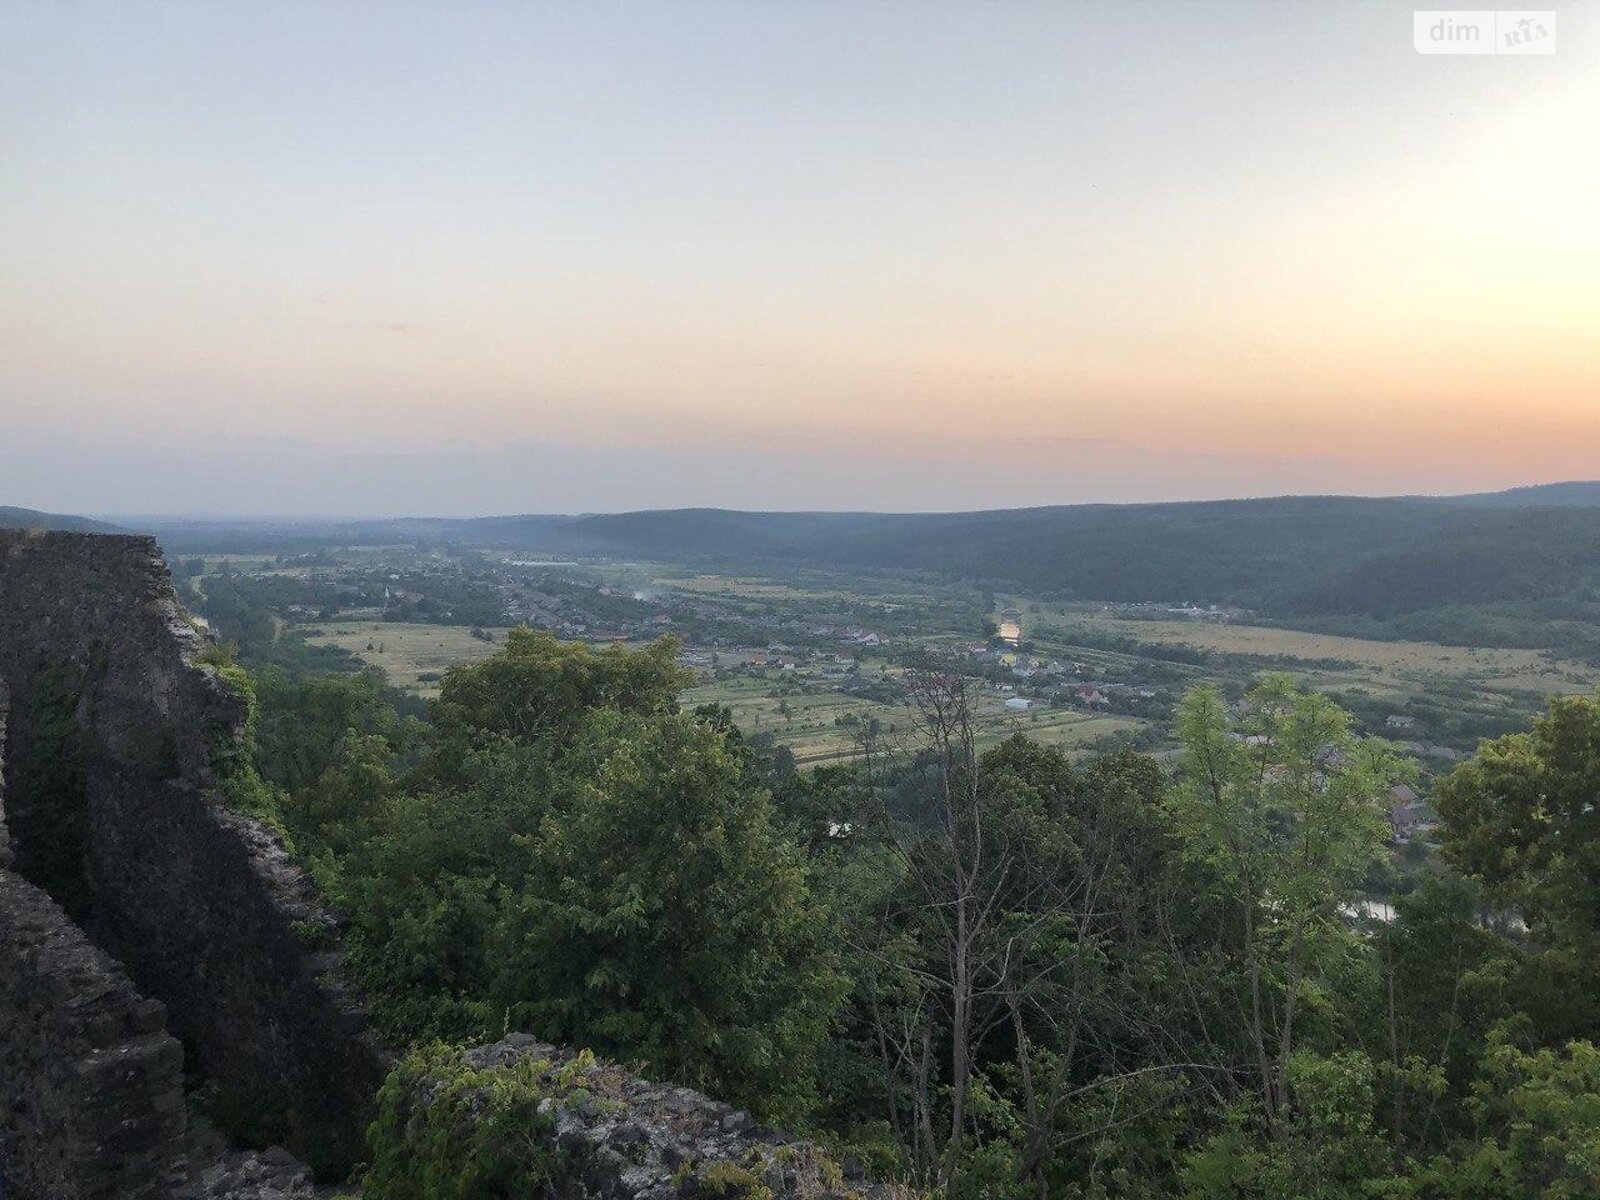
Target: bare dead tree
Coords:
[[965, 884], [997, 926]]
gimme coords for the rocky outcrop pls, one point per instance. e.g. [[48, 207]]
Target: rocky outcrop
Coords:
[[606, 1134], [271, 1175], [91, 1083], [213, 1170]]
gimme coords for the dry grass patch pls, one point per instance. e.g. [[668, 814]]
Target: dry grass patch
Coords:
[[413, 656]]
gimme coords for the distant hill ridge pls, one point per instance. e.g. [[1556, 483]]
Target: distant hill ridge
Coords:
[[29, 518], [1294, 556], [1576, 494], [1291, 556]]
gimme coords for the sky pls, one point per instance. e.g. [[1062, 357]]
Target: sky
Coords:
[[376, 258]]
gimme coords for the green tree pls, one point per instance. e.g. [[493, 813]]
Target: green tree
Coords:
[[996, 903], [577, 858], [1280, 813], [333, 746], [538, 689], [662, 917], [1541, 1115], [1325, 1146], [1522, 815]]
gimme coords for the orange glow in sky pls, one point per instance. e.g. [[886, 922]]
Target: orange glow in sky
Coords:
[[547, 258]]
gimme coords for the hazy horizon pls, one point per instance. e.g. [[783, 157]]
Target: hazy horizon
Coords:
[[389, 478], [261, 516], [362, 260]]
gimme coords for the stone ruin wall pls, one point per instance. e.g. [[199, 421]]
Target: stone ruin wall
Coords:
[[91, 1083], [191, 904]]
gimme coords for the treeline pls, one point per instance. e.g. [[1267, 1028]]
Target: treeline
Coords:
[[244, 615], [1468, 573], [1302, 554], [246, 609], [991, 975], [1068, 639], [1394, 568]]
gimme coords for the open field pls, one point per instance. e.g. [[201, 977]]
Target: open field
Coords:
[[735, 585], [760, 588], [413, 656], [1453, 695], [811, 726], [249, 564], [407, 652], [1396, 665], [1068, 728]]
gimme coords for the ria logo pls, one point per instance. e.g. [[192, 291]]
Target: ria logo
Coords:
[[1484, 31]]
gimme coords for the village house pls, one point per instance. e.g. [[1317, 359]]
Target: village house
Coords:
[[1407, 815], [1432, 750]]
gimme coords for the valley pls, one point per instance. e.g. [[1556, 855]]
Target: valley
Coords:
[[812, 660]]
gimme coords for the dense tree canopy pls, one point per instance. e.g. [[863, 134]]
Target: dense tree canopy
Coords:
[[992, 972], [568, 853], [1524, 816]]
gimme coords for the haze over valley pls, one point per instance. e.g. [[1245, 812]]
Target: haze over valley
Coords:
[[857, 600]]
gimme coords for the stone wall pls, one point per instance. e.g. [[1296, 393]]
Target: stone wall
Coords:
[[91, 1083], [91, 1099], [6, 857], [200, 905]]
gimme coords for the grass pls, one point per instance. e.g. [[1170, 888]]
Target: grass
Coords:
[[757, 588], [819, 722], [408, 654], [812, 731], [1397, 665]]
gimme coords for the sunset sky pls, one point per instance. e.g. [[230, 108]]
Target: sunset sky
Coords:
[[364, 258]]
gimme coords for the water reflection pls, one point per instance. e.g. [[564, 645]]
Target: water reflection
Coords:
[[1010, 626]]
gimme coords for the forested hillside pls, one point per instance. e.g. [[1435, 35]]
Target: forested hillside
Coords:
[[28, 518], [1501, 569], [995, 976], [1575, 494], [1487, 573], [1294, 555]]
